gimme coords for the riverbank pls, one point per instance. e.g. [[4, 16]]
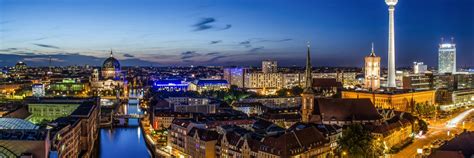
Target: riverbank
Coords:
[[150, 144]]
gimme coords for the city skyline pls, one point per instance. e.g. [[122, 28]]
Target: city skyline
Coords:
[[241, 33]]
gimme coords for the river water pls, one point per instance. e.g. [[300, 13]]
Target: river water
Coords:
[[124, 142]]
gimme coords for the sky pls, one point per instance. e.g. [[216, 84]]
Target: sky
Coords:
[[229, 32]]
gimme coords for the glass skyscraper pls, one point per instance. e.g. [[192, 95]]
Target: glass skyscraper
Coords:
[[447, 58]]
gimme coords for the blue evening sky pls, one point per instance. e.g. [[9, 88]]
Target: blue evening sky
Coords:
[[229, 32]]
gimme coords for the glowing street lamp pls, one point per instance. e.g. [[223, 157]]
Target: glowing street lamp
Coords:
[[419, 151]]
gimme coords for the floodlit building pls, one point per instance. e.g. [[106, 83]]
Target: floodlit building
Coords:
[[372, 71], [20, 66], [111, 81], [208, 85], [264, 83], [111, 68], [418, 82], [447, 57], [170, 85], [38, 90], [269, 66], [419, 68], [235, 76], [68, 87], [400, 100]]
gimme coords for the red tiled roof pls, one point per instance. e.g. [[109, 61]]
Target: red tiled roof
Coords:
[[326, 82], [204, 134], [294, 142], [345, 109]]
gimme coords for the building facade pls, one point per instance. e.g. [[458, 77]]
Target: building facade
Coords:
[[235, 76], [419, 68], [372, 71], [447, 58], [400, 101], [269, 66]]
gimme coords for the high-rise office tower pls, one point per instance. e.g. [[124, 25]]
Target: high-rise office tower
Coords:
[[372, 71], [391, 43], [269, 66], [447, 57]]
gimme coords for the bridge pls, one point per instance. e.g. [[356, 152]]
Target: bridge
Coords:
[[129, 116]]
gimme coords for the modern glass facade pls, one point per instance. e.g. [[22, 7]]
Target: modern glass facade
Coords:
[[447, 58], [15, 123]]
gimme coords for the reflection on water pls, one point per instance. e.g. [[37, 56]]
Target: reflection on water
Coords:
[[124, 142]]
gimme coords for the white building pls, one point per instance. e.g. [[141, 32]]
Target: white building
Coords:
[[419, 68], [38, 90], [447, 57]]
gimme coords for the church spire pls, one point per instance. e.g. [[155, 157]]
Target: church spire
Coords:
[[373, 52], [111, 53], [308, 77]]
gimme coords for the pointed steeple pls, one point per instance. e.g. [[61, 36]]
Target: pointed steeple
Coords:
[[111, 53], [372, 54], [308, 76]]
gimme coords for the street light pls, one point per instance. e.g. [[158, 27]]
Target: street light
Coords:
[[419, 151]]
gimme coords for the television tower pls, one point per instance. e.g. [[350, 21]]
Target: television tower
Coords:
[[391, 43]]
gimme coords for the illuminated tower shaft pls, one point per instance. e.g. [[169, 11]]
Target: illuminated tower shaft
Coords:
[[391, 43]]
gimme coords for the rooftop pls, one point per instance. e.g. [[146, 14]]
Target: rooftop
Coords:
[[346, 109], [463, 143], [23, 134], [15, 123]]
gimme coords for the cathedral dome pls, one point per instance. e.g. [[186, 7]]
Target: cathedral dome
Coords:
[[111, 62], [20, 63], [20, 66]]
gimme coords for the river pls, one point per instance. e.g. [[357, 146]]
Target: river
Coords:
[[124, 142]]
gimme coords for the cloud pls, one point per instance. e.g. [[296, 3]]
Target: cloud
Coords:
[[65, 59], [215, 42], [228, 26], [245, 44], [8, 49], [46, 46], [128, 55], [41, 38], [42, 59], [213, 53], [256, 49], [216, 58], [196, 58], [207, 23], [278, 40], [204, 24], [189, 54]]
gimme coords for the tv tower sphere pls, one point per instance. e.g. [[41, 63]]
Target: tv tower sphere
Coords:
[[391, 2]]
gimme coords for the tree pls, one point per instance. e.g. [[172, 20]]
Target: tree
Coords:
[[356, 141], [282, 92], [296, 91], [420, 125]]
